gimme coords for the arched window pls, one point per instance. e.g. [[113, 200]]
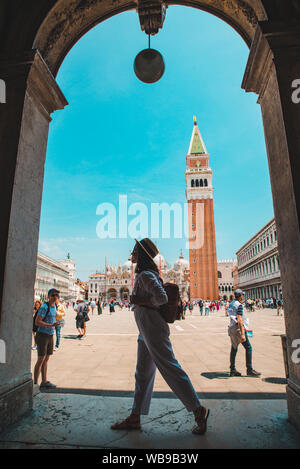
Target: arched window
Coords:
[[193, 183], [205, 182], [197, 183], [201, 182], [219, 274]]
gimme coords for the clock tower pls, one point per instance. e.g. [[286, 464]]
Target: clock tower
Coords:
[[202, 239]]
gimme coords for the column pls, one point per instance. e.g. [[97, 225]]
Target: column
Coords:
[[273, 67], [32, 95]]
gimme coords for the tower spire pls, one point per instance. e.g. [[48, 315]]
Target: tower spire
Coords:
[[197, 146]]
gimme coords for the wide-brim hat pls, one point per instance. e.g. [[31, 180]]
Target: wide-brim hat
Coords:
[[149, 247]]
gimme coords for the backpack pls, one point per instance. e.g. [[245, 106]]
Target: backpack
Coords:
[[34, 326], [172, 310], [83, 314]]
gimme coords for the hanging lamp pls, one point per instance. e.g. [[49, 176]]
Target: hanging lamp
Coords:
[[149, 64]]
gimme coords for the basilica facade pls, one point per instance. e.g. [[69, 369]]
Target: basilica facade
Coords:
[[117, 282]]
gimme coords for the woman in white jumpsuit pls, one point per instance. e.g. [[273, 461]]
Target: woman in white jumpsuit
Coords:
[[154, 346]]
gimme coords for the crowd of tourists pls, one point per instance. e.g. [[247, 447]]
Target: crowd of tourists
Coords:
[[154, 346], [205, 306]]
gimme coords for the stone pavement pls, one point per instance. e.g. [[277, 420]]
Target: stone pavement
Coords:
[[95, 383], [105, 360], [81, 421]]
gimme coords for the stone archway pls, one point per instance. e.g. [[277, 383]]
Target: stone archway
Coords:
[[67, 22], [112, 294], [124, 294], [34, 41]]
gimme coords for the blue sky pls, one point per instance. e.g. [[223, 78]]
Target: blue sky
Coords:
[[120, 136]]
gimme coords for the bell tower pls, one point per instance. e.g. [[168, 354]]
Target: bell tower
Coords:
[[202, 239]]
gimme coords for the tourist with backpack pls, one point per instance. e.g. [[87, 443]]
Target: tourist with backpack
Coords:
[[82, 317], [45, 322], [152, 307]]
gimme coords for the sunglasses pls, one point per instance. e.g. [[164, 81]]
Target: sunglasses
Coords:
[[55, 294]]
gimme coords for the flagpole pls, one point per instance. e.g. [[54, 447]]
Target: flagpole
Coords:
[[105, 282]]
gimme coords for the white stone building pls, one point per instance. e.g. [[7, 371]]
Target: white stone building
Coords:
[[225, 279], [73, 288], [50, 274], [258, 265]]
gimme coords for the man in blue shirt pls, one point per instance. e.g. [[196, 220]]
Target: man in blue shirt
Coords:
[[46, 322]]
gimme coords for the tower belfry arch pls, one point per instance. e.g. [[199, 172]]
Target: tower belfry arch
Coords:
[[35, 38]]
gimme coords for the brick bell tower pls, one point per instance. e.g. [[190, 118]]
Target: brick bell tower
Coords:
[[202, 239]]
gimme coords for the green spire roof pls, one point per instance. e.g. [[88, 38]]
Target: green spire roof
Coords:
[[197, 146]]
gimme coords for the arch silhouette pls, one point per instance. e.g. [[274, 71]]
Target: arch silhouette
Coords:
[[34, 43], [54, 38]]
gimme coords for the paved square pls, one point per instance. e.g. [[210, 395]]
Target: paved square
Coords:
[[105, 360]]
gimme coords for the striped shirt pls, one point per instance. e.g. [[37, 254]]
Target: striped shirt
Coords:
[[237, 308]]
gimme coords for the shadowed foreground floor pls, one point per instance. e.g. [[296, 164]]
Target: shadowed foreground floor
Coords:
[[83, 421]]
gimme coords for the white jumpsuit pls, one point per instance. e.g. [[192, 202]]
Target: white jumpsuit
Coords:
[[155, 349]]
